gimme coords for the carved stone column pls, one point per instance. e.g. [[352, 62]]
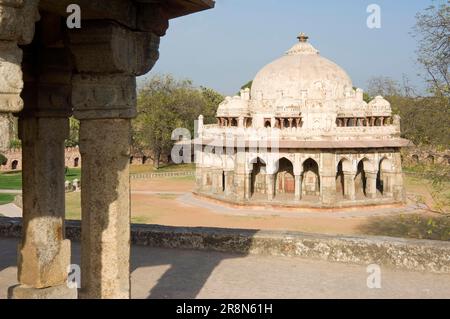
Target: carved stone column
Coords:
[[298, 187], [349, 185], [228, 182], [371, 184], [328, 179], [44, 253], [270, 180], [248, 185], [108, 57], [388, 184]]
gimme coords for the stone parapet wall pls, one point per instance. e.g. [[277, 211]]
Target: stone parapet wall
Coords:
[[161, 174], [409, 254], [72, 159]]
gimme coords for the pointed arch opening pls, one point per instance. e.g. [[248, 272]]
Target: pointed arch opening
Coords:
[[361, 179], [311, 180], [284, 180], [258, 178]]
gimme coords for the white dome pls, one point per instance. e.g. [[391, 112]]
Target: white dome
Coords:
[[301, 74]]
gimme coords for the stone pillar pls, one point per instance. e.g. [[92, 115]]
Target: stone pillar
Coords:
[[198, 177], [108, 57], [298, 187], [241, 121], [371, 184], [349, 185], [44, 254], [239, 185], [328, 179], [228, 183], [105, 206], [270, 180], [388, 184], [217, 181], [248, 185]]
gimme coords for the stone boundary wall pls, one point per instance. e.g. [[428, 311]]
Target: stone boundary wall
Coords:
[[162, 174], [409, 254], [425, 155]]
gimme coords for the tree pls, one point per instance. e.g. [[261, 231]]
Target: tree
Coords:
[[433, 31], [382, 85], [3, 159], [425, 120], [74, 130], [164, 104]]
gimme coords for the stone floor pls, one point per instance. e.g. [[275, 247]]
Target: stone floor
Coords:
[[171, 273]]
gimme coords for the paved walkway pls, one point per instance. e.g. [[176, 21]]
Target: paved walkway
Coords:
[[172, 273], [10, 210], [350, 212]]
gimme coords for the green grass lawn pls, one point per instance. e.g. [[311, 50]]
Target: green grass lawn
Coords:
[[6, 198], [13, 180], [149, 168]]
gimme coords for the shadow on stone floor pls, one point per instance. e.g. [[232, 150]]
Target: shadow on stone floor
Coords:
[[188, 270]]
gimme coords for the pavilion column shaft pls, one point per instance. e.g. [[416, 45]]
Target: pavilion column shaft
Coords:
[[298, 187], [108, 56], [228, 182], [105, 206], [248, 185], [388, 187], [44, 253], [349, 186], [371, 184], [270, 180]]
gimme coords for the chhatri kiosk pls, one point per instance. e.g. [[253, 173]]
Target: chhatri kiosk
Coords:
[[302, 136]]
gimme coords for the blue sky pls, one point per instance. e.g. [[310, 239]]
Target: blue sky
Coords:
[[223, 48]]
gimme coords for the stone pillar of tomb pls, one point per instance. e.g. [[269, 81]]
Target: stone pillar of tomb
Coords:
[[239, 185], [328, 178], [298, 186], [217, 181], [270, 186], [241, 121], [388, 186], [397, 178], [198, 177], [228, 182], [349, 185], [248, 185], [371, 184], [43, 255], [108, 57]]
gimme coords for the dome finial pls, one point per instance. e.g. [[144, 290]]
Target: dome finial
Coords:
[[302, 37]]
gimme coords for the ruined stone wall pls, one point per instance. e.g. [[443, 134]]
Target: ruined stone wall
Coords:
[[72, 157], [425, 155]]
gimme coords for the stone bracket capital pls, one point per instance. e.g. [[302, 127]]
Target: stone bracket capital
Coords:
[[103, 96], [107, 47], [17, 19]]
